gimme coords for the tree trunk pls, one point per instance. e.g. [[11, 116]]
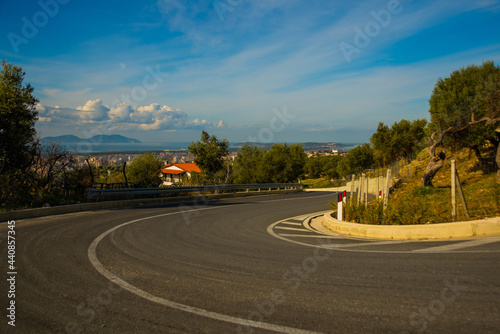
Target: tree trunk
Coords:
[[228, 170], [91, 173], [434, 165], [477, 152], [436, 161], [125, 173]]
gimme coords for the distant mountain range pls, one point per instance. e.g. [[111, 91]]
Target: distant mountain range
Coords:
[[99, 139]]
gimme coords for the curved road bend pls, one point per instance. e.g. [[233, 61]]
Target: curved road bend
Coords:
[[246, 265]]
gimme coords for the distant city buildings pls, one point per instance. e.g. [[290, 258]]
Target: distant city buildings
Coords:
[[117, 159], [175, 156], [327, 153]]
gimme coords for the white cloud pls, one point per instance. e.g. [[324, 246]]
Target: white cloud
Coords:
[[56, 114], [93, 110], [121, 112], [42, 119], [123, 117]]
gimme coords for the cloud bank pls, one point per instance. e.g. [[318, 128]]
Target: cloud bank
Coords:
[[123, 116]]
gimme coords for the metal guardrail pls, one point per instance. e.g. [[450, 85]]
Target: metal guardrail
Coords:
[[96, 193]]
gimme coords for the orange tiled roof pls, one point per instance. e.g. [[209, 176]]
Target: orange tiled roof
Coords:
[[186, 167]]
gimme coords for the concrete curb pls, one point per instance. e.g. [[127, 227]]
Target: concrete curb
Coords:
[[473, 228], [57, 210]]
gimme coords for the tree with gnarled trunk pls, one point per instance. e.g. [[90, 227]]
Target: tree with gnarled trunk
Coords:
[[436, 161], [468, 99]]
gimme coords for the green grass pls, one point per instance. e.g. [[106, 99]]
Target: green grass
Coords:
[[322, 182]]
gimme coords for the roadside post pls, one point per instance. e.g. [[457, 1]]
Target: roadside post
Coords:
[[366, 190], [456, 185], [453, 191], [339, 206], [386, 192]]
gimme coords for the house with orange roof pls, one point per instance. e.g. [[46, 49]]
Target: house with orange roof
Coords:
[[173, 173]]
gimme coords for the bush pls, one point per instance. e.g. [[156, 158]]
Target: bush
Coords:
[[408, 208], [144, 171], [357, 212]]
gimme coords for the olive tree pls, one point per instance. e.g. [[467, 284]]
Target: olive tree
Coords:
[[464, 113]]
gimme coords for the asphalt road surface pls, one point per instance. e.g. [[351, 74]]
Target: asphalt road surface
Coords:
[[246, 265]]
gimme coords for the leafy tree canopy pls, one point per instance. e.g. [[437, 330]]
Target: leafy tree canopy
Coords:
[[322, 166], [247, 165], [464, 113], [18, 116], [357, 160], [400, 141], [281, 164], [210, 154], [144, 171]]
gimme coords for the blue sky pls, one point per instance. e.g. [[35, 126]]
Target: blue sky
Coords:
[[245, 70]]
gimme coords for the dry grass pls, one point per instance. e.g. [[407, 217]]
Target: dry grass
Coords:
[[322, 182], [411, 203], [481, 192]]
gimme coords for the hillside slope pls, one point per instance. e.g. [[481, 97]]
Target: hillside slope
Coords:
[[481, 192]]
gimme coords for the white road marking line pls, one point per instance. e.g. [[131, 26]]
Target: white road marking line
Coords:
[[352, 247], [292, 223], [292, 229], [308, 236], [364, 244], [92, 255], [460, 245]]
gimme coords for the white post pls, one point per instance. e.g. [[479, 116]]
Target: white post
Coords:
[[339, 211], [360, 191], [453, 191], [353, 179], [365, 197], [386, 192]]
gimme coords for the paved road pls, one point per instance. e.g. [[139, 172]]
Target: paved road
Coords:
[[248, 265]]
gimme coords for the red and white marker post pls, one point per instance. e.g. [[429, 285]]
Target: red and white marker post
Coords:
[[341, 199]]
